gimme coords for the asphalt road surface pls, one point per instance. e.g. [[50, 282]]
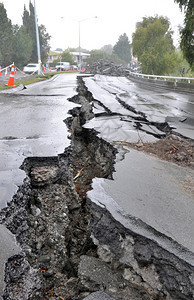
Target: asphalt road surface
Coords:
[[32, 124], [143, 188], [129, 104], [145, 191]]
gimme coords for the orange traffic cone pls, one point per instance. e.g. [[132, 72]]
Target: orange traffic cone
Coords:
[[44, 70], [11, 77], [15, 71], [0, 71]]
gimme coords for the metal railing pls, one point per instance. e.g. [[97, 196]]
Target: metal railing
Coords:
[[176, 79]]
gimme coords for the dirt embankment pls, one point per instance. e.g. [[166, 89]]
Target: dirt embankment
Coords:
[[172, 148], [72, 248]]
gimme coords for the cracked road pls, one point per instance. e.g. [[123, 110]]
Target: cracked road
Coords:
[[31, 122], [146, 195], [144, 187]]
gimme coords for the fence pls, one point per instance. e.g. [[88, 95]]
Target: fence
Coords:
[[170, 78], [179, 84]]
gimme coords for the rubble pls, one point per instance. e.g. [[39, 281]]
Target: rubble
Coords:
[[106, 67]]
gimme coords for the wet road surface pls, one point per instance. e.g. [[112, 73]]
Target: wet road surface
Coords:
[[121, 107], [32, 124], [152, 197]]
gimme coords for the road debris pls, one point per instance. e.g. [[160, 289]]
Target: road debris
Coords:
[[78, 174], [171, 148], [107, 67]]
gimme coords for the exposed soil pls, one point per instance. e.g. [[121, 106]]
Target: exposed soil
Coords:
[[171, 148]]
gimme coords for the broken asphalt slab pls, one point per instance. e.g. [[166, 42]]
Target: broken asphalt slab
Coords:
[[153, 198]]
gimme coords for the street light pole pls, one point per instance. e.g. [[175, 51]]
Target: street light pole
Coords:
[[79, 21], [80, 58], [37, 39]]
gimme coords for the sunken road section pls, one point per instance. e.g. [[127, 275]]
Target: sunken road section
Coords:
[[70, 247]]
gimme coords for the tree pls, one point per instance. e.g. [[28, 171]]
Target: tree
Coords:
[[22, 46], [29, 25], [44, 43], [153, 45], [107, 48], [187, 32], [6, 38], [182, 68], [1, 58], [96, 55], [66, 56], [123, 48]]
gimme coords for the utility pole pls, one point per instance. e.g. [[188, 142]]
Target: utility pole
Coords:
[[80, 58], [37, 40]]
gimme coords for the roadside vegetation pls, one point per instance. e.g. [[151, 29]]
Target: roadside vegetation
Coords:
[[153, 46], [18, 43], [27, 80], [31, 79], [187, 32]]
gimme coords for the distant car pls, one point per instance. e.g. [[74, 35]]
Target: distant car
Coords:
[[63, 66], [31, 68]]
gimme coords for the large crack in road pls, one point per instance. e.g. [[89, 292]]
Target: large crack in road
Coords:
[[72, 248]]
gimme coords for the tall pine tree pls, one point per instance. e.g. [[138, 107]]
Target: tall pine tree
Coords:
[[29, 25], [123, 48], [6, 38], [22, 46]]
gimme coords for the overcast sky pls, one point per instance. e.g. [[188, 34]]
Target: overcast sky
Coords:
[[113, 19]]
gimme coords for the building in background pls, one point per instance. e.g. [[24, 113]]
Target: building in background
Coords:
[[53, 55]]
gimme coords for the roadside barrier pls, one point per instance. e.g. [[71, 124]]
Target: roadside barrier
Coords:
[[4, 71], [158, 77], [11, 77]]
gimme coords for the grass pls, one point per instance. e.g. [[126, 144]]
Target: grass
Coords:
[[31, 79], [28, 80]]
